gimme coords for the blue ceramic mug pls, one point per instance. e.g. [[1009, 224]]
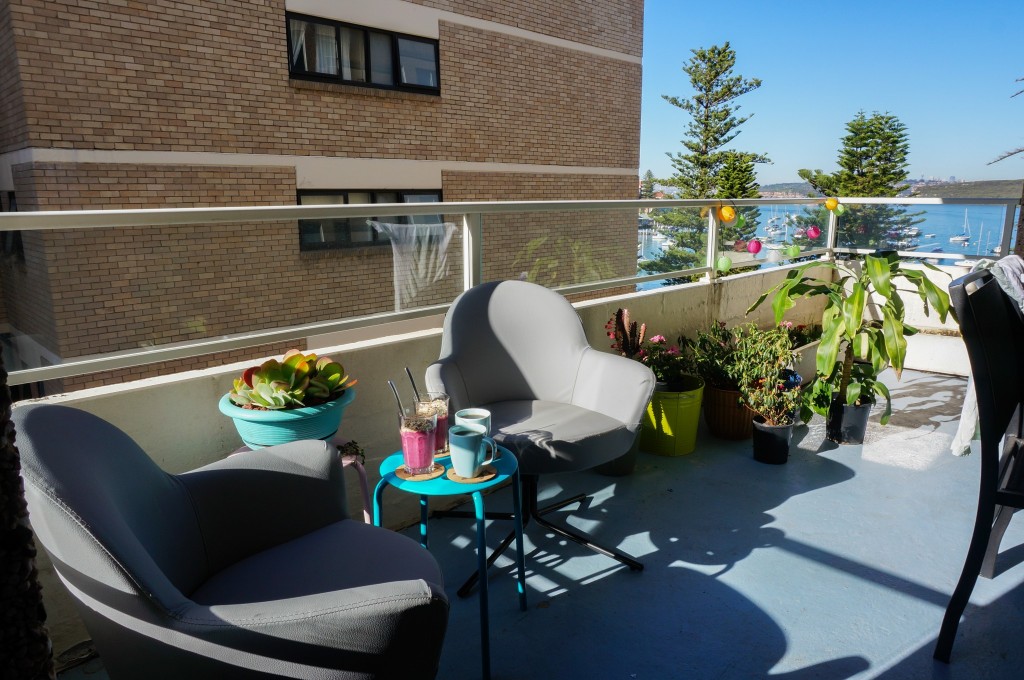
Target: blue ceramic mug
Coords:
[[471, 449], [474, 416]]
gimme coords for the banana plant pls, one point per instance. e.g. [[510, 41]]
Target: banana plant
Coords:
[[863, 327]]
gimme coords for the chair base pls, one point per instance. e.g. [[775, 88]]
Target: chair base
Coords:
[[531, 511]]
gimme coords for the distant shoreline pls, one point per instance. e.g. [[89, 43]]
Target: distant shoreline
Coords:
[[993, 188]]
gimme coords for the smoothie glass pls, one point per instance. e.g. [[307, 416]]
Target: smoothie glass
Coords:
[[436, 403], [419, 438]]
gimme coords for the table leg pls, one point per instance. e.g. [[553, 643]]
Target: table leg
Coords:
[[481, 565], [517, 505], [424, 512], [378, 506]]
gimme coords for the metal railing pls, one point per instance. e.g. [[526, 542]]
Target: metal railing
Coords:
[[472, 228]]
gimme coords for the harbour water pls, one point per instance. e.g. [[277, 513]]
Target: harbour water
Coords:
[[939, 224]]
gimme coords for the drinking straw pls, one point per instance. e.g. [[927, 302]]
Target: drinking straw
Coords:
[[415, 391], [398, 399]]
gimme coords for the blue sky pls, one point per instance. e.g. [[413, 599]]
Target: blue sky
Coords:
[[945, 68]]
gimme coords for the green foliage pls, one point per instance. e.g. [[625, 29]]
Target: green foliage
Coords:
[[562, 260], [670, 364], [738, 179], [872, 162], [714, 355], [762, 359], [295, 381], [713, 121], [863, 329], [647, 185]]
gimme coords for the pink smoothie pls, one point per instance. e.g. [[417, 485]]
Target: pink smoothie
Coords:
[[441, 434], [418, 451]]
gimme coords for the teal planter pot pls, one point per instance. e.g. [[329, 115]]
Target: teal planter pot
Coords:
[[268, 428]]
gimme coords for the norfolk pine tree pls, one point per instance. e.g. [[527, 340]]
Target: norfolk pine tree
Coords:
[[698, 171]]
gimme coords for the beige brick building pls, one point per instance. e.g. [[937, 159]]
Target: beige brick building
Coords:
[[230, 102]]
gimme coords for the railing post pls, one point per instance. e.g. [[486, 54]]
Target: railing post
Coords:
[[712, 255], [472, 249], [833, 233]]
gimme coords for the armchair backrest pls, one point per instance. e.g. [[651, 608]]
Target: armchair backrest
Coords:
[[992, 327], [103, 509], [511, 340]]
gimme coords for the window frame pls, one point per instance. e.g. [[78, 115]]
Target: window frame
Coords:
[[367, 31], [377, 241]]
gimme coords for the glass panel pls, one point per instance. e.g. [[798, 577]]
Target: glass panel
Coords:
[[314, 232], [353, 54], [314, 47], [423, 198], [418, 60], [382, 71], [671, 240]]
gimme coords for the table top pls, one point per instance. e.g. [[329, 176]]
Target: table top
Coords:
[[442, 486]]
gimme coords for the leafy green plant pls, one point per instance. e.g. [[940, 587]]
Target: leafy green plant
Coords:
[[714, 356], [671, 364], [863, 319], [766, 384], [295, 381]]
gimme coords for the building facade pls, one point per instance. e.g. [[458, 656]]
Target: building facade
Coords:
[[168, 104]]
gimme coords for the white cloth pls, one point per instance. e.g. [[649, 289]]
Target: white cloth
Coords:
[[1009, 274]]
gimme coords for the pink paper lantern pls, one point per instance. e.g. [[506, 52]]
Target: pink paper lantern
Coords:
[[813, 231], [754, 246]]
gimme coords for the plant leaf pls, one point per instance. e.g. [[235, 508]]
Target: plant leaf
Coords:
[[881, 389], [853, 308], [880, 274], [895, 343]]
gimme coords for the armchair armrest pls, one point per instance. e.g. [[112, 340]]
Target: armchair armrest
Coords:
[[613, 385], [444, 376], [251, 501]]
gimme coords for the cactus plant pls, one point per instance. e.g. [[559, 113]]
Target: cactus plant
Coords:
[[628, 336], [298, 380]]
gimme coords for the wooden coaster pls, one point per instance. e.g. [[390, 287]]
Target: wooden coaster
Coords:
[[487, 473], [439, 456], [436, 472]]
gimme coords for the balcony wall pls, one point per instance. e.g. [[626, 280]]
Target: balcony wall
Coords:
[[154, 410]]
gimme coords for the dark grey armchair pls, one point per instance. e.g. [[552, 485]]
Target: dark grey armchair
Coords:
[[520, 351], [246, 568]]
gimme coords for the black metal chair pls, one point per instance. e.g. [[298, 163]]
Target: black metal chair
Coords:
[[993, 330]]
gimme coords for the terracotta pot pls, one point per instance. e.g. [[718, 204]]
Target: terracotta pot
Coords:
[[726, 417]]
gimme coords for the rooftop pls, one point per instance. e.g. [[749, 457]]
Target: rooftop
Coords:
[[838, 564]]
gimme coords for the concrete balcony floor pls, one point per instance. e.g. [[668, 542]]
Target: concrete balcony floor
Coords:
[[838, 564]]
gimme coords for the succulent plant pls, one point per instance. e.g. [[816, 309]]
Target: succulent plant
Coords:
[[298, 380], [628, 335]]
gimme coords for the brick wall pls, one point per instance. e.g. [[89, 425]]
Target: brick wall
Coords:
[[611, 24], [552, 248], [173, 76], [12, 117]]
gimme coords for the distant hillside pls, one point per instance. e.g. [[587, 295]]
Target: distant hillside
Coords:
[[791, 188], [996, 188]]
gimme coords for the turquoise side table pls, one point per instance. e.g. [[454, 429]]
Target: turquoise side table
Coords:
[[507, 467]]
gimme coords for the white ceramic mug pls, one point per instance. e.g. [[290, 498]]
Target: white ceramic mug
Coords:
[[469, 448], [474, 416]]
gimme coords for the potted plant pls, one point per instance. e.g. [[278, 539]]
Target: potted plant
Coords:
[[669, 427], [863, 333], [302, 396], [715, 359], [803, 340], [770, 389]]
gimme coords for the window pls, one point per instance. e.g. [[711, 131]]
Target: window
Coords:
[[355, 232], [356, 55], [11, 240]]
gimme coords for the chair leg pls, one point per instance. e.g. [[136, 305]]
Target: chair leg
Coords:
[[531, 511], [964, 587]]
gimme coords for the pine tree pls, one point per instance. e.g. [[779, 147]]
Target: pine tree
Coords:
[[872, 162], [647, 185], [737, 179], [699, 170]]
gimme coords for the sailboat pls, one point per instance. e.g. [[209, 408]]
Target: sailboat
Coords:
[[965, 237]]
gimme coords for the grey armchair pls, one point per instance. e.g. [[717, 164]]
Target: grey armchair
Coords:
[[246, 568], [519, 350]]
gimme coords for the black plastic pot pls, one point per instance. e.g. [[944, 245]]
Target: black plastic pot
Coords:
[[847, 424], [771, 442]]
